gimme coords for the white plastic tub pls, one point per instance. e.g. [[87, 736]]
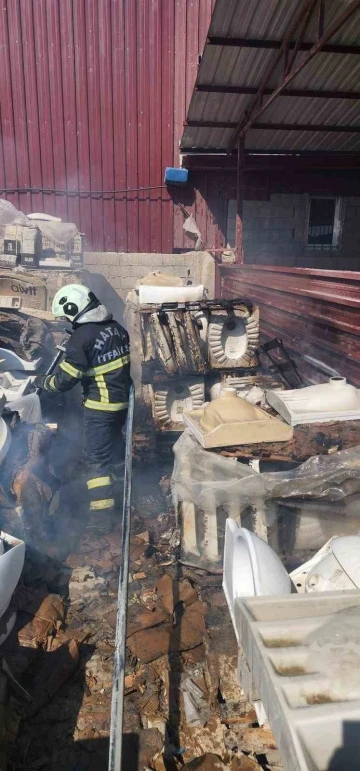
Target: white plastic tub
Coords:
[[170, 294], [12, 556]]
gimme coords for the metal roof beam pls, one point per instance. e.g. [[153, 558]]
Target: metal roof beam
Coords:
[[210, 124], [300, 161], [332, 156], [275, 45], [297, 92], [260, 105]]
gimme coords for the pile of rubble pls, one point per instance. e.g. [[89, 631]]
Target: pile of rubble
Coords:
[[183, 705]]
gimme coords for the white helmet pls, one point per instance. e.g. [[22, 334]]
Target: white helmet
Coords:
[[72, 300]]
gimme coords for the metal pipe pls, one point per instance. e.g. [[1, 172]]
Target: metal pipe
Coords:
[[240, 202], [117, 702], [302, 33]]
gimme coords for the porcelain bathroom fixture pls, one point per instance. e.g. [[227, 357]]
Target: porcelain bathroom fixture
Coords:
[[13, 385], [11, 362], [5, 439], [299, 655], [233, 339], [336, 566], [12, 556], [169, 400], [325, 402], [231, 420], [251, 567], [169, 294]]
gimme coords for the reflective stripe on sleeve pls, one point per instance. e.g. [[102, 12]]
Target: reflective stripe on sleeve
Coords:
[[50, 384], [70, 370]]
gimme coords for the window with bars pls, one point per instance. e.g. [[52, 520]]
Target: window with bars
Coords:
[[323, 223]]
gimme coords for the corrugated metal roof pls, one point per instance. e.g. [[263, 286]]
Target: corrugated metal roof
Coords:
[[239, 66]]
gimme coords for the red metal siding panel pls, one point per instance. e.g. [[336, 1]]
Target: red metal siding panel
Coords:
[[92, 41], [315, 313], [120, 145], [7, 114], [82, 120], [167, 115], [179, 104], [93, 97], [31, 103], [69, 107], [44, 104], [57, 113], [18, 102], [143, 121], [192, 21], [155, 89], [107, 130], [131, 107]]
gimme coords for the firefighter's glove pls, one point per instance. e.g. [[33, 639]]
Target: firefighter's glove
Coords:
[[42, 381]]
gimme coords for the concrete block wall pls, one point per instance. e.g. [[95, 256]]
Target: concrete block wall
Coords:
[[112, 275], [274, 234]]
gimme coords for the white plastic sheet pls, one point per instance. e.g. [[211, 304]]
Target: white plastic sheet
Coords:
[[301, 508], [10, 215], [62, 232]]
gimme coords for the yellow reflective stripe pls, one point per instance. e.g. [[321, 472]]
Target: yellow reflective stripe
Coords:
[[104, 393], [70, 370], [102, 369], [51, 383], [98, 482], [111, 407], [107, 503]]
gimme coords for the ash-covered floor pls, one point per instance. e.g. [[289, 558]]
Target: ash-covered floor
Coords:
[[183, 706]]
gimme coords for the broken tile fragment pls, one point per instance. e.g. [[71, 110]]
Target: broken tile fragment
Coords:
[[172, 592], [206, 762], [241, 762]]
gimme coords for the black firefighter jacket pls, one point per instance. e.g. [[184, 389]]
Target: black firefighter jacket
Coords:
[[97, 354]]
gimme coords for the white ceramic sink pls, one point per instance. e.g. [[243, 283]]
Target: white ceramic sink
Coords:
[[12, 555], [325, 402], [13, 385], [5, 439], [251, 567], [10, 361]]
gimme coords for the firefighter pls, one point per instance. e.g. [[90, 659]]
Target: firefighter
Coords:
[[97, 355]]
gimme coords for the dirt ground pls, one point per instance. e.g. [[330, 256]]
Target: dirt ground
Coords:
[[183, 705]]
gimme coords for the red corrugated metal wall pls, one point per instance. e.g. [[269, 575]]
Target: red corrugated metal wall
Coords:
[[93, 97], [315, 312]]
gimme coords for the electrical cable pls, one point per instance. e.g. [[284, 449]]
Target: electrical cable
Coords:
[[54, 191]]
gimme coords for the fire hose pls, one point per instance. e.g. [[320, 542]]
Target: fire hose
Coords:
[[60, 352], [117, 703]]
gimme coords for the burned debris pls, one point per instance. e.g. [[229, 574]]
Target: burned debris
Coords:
[[184, 706]]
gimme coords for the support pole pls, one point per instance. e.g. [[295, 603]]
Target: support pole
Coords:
[[117, 703], [240, 201]]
